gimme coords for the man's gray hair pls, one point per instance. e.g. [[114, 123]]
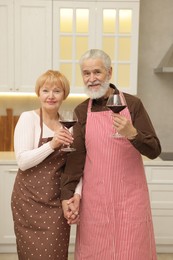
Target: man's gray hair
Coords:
[[96, 54]]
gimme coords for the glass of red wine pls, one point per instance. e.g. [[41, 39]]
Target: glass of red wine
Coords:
[[68, 119], [116, 103]]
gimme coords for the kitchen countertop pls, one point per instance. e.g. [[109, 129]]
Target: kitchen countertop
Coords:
[[9, 158], [156, 162]]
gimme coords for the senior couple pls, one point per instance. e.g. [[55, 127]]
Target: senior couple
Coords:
[[102, 185]]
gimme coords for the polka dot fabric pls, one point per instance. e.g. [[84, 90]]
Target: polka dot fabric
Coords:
[[41, 230]]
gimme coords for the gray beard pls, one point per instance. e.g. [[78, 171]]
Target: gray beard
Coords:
[[94, 94]]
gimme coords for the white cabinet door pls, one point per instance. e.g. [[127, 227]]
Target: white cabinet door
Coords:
[[26, 43], [33, 41], [7, 237], [108, 25], [160, 184], [6, 45], [72, 238]]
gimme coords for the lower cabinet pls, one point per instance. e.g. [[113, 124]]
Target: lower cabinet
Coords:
[[7, 237], [160, 184], [72, 238]]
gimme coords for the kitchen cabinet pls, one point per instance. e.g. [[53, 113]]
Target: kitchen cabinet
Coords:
[[160, 184], [26, 43], [108, 25], [37, 35], [7, 237]]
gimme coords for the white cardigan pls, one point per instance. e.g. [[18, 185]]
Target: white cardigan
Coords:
[[26, 138]]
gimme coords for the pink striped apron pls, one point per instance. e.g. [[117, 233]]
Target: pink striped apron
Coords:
[[115, 215]]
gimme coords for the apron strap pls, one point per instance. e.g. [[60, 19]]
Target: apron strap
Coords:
[[41, 126]]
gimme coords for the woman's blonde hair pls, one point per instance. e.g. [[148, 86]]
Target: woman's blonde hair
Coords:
[[51, 76]]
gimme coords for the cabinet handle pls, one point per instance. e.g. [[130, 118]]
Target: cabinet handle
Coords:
[[13, 171]]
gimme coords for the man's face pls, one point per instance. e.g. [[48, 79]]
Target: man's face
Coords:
[[96, 77]]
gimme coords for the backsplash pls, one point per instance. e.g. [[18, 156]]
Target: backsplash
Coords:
[[7, 125], [11, 108]]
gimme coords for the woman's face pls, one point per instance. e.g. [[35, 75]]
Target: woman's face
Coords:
[[51, 95]]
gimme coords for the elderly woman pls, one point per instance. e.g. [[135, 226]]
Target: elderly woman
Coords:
[[41, 230]]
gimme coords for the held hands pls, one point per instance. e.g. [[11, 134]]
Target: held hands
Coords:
[[61, 137], [71, 209], [124, 126]]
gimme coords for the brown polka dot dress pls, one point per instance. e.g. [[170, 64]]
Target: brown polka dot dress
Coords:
[[40, 228]]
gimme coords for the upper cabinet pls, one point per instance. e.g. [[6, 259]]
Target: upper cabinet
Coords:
[[111, 26], [6, 45], [37, 35], [26, 43]]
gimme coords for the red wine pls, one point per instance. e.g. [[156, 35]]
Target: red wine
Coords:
[[68, 124], [116, 109]]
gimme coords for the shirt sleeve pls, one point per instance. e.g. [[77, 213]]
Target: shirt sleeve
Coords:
[[146, 141], [26, 134], [76, 160], [78, 189]]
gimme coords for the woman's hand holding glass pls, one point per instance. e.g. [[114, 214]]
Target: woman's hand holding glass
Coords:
[[61, 137], [68, 119]]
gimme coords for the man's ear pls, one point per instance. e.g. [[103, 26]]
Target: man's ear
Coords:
[[110, 73]]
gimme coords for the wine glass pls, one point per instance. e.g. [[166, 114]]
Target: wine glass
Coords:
[[116, 103], [68, 119]]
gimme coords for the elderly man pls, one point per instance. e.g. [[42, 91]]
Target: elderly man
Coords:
[[115, 215]]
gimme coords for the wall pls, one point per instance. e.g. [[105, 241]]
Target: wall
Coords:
[[155, 90], [23, 103]]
